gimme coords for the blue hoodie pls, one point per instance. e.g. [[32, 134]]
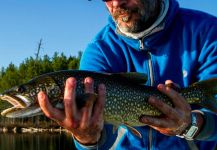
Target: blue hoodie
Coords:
[[184, 51]]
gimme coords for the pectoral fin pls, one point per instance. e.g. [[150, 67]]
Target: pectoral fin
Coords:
[[134, 131], [114, 129]]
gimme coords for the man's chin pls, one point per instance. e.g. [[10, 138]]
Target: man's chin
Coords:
[[126, 26], [125, 29]]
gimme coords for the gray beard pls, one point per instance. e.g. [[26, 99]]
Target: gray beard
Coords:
[[147, 16]]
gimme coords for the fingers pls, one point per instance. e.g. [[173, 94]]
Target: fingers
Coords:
[[166, 109], [175, 97], [100, 103], [93, 111], [87, 110], [48, 109], [174, 86], [69, 98], [86, 123], [153, 121], [89, 85], [176, 118], [91, 123]]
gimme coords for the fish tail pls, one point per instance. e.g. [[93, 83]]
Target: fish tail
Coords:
[[209, 87]]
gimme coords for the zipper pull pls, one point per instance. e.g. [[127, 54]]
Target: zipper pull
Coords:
[[141, 44]]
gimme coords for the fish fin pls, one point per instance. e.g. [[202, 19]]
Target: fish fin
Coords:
[[135, 77], [45, 79], [114, 129], [81, 100], [210, 104], [210, 88], [133, 130]]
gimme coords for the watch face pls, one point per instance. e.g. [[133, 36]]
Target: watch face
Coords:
[[191, 132]]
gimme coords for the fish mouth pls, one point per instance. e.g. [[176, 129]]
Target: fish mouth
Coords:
[[18, 101], [14, 112]]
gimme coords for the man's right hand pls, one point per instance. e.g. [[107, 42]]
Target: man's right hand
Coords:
[[85, 124]]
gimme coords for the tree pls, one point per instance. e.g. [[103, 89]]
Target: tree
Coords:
[[11, 77], [46, 64], [59, 62]]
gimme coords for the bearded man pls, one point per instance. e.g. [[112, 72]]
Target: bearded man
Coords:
[[172, 45]]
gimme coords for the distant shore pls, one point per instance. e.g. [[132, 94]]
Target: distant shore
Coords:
[[31, 130]]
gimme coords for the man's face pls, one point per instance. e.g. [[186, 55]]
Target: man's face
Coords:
[[133, 15]]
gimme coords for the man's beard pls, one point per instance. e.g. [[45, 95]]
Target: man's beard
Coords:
[[144, 18], [132, 25]]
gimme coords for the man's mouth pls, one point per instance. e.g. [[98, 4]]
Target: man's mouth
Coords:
[[125, 18], [125, 15], [121, 13]]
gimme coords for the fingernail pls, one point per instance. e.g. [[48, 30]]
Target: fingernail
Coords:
[[88, 80], [71, 81], [41, 95], [168, 82], [102, 87]]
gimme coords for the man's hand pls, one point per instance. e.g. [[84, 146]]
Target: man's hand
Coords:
[[85, 124], [175, 119]]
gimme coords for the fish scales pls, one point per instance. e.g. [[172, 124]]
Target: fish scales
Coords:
[[122, 96]]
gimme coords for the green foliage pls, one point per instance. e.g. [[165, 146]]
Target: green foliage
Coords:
[[31, 68], [28, 69], [10, 77]]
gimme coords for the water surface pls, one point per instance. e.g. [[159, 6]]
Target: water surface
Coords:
[[36, 141]]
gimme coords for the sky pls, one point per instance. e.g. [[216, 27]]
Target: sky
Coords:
[[64, 26]]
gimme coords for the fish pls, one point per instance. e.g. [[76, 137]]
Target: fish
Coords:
[[126, 95]]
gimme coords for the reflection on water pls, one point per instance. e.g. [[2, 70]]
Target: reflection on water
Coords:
[[36, 141]]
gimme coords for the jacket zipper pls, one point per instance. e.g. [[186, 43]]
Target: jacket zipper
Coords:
[[151, 74], [150, 68]]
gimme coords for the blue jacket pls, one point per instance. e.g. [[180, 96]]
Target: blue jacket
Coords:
[[184, 51]]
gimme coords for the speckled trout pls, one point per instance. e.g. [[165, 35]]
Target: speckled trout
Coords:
[[126, 95]]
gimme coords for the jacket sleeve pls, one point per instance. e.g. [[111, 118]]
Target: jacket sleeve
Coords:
[[208, 69], [106, 141], [93, 59], [209, 131]]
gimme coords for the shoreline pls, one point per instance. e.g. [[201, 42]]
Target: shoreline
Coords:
[[31, 130]]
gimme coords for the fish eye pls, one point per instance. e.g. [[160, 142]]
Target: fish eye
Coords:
[[21, 89]]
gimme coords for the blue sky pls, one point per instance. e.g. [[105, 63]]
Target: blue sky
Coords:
[[65, 26]]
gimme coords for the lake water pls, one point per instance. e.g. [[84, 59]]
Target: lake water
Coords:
[[36, 141]]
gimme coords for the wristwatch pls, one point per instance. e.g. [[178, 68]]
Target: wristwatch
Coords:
[[191, 130]]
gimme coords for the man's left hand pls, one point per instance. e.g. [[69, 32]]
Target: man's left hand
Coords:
[[175, 119]]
